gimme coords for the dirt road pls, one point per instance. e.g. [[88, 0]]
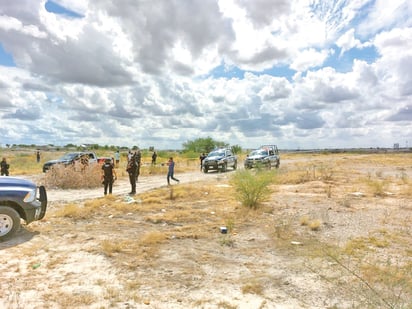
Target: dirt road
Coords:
[[122, 185]]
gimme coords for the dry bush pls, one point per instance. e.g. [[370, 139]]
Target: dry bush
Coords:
[[73, 177], [253, 287], [315, 225], [70, 300], [378, 187]]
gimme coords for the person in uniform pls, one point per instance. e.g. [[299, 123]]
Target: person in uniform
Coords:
[[4, 166], [154, 157], [109, 175], [201, 158], [132, 170]]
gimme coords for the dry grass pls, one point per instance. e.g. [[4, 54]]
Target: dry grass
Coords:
[[299, 224], [73, 177]]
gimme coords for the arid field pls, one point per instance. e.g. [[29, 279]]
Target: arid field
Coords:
[[334, 231]]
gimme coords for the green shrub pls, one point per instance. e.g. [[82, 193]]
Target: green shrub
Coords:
[[252, 187]]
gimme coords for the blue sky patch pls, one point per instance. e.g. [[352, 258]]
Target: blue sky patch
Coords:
[[53, 7], [223, 71], [6, 59], [344, 63]]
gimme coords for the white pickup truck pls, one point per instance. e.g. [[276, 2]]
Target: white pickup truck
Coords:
[[265, 156]]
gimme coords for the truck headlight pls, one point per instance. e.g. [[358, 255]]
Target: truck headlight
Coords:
[[30, 196]]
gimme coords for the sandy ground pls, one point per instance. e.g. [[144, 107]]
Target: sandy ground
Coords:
[[57, 263]]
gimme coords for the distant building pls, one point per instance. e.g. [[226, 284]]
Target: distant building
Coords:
[[396, 146]]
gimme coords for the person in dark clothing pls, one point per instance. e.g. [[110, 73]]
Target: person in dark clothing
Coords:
[[109, 176], [202, 157], [154, 157], [132, 170], [4, 167], [38, 156], [171, 170]]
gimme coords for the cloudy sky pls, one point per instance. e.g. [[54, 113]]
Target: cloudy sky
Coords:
[[297, 73]]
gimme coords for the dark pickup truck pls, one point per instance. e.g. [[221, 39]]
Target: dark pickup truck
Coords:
[[219, 160], [19, 199], [70, 158]]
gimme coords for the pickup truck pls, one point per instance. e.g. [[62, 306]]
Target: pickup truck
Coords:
[[265, 156], [19, 199], [84, 157], [220, 160]]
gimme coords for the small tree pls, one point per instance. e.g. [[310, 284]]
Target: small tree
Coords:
[[252, 188], [202, 145]]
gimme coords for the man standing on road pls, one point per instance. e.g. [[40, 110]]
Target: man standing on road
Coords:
[[171, 170], [132, 170], [109, 176]]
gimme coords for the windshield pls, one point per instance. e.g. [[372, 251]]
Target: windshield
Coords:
[[259, 152], [69, 156], [218, 153]]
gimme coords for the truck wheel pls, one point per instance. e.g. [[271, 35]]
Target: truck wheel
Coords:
[[277, 164], [224, 167], [9, 222], [205, 169], [235, 166]]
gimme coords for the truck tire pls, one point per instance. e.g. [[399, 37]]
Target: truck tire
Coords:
[[205, 169], [224, 167], [9, 222], [235, 166]]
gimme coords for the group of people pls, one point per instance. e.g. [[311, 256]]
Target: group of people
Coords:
[[134, 162], [108, 176]]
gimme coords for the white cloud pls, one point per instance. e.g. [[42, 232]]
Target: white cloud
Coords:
[[348, 41], [133, 72], [11, 24], [309, 58]]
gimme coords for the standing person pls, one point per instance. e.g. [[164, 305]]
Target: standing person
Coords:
[[38, 156], [132, 170], [171, 171], [138, 158], [154, 157], [4, 167], [109, 176], [117, 158], [129, 156], [202, 157]]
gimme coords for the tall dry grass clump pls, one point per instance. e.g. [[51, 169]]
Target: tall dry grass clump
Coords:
[[73, 177]]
